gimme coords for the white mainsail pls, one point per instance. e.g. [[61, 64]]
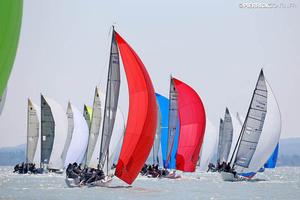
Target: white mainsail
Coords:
[[209, 146], [60, 134], [33, 131], [80, 134]]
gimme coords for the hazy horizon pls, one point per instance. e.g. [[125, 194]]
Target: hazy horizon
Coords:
[[216, 47]]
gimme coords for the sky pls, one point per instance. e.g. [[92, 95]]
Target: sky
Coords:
[[216, 47]]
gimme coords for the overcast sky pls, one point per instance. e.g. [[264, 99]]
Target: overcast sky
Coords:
[[216, 47]]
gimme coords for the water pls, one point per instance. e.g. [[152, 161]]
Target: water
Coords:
[[281, 183]]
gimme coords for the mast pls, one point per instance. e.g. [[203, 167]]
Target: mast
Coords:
[[111, 101]]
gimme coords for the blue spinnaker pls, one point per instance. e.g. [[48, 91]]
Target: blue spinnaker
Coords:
[[271, 163], [163, 104]]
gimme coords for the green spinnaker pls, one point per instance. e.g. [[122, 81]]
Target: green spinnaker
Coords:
[[10, 25]]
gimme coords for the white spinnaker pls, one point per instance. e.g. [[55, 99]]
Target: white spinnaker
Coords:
[[80, 135], [209, 146], [236, 132], [33, 131], [116, 138], [269, 136], [60, 134], [2, 101]]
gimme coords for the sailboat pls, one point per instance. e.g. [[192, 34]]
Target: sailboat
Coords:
[[208, 146], [78, 129], [192, 125], [260, 132], [141, 121], [10, 26], [53, 135]]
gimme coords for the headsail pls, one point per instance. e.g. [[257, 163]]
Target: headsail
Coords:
[[142, 115], [253, 124], [111, 100], [70, 117], [10, 25], [173, 120], [33, 131], [94, 128], [192, 126], [80, 134]]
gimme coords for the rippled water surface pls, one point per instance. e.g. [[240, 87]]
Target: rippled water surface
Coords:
[[281, 183]]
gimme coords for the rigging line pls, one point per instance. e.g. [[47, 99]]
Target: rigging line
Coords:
[[102, 69]]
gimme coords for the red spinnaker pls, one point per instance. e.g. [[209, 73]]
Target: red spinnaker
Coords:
[[192, 127], [142, 115]]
